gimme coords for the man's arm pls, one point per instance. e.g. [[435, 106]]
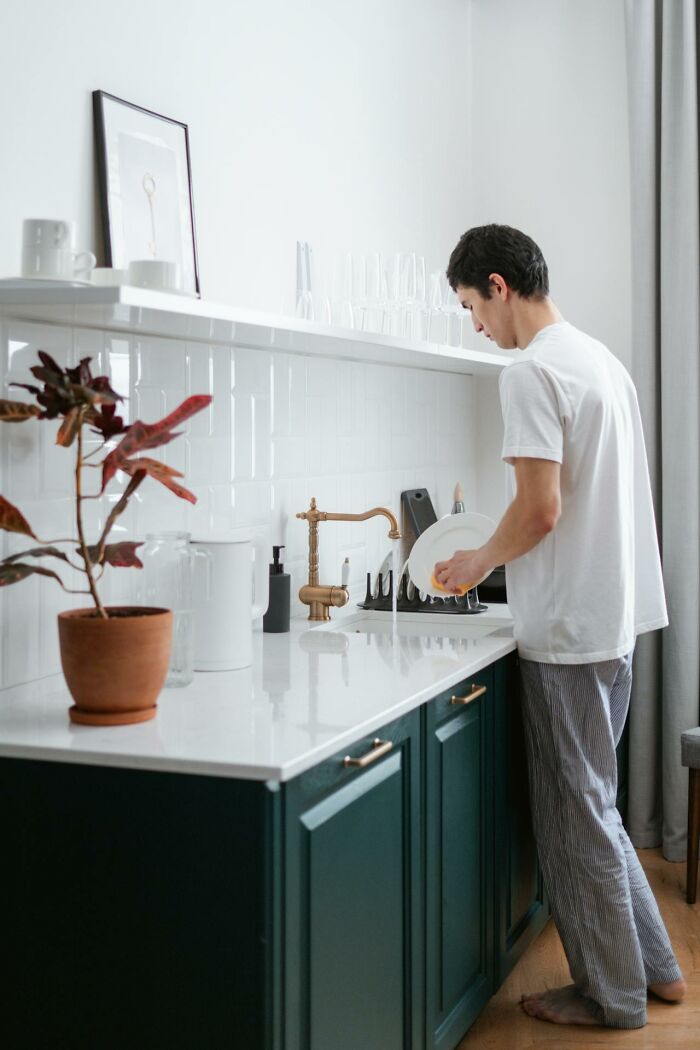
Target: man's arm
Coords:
[[533, 513]]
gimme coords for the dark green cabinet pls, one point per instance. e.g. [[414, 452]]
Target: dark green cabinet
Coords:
[[521, 906], [140, 909], [353, 929], [369, 905], [459, 859]]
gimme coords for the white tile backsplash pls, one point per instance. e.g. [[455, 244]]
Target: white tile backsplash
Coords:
[[281, 428]]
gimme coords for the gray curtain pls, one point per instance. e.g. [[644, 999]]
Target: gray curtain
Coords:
[[662, 53]]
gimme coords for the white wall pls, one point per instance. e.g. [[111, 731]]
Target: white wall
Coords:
[[338, 123], [342, 124], [549, 148], [281, 428], [351, 126]]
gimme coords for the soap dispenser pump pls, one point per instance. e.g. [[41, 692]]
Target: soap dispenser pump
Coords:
[[276, 619]]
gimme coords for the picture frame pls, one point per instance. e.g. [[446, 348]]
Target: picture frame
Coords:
[[145, 187]]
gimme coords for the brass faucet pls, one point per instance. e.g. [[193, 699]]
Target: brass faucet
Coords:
[[318, 597]]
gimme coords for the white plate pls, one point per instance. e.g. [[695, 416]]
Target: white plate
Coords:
[[455, 532]]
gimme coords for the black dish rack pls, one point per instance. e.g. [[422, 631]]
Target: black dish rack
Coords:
[[468, 604], [418, 514]]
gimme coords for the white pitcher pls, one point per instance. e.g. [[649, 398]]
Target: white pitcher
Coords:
[[224, 603]]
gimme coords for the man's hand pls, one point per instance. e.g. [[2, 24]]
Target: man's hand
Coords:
[[461, 572], [530, 517]]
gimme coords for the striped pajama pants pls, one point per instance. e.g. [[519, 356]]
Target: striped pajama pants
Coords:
[[609, 923]]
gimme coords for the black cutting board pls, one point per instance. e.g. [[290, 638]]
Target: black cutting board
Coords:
[[418, 511]]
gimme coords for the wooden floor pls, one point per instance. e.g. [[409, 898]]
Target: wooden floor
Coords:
[[504, 1026]]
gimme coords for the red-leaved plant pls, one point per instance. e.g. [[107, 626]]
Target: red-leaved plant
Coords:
[[83, 400]]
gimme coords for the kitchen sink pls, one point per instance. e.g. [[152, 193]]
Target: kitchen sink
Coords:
[[419, 625]]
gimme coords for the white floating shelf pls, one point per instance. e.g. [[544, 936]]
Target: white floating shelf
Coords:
[[138, 311]]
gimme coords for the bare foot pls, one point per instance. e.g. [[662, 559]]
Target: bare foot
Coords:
[[672, 991], [560, 1006]]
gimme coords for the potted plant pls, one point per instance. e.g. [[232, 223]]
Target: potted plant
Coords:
[[114, 659]]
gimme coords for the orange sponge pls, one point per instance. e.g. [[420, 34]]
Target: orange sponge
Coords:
[[461, 589]]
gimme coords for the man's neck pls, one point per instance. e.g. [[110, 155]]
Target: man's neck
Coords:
[[531, 317]]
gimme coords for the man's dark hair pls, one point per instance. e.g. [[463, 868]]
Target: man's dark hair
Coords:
[[484, 250]]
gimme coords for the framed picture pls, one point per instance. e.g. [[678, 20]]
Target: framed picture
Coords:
[[145, 187]]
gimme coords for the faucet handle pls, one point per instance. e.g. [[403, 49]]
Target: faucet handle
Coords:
[[345, 573], [312, 514]]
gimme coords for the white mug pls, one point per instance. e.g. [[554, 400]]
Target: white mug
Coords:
[[158, 274], [48, 251], [224, 603], [108, 277]]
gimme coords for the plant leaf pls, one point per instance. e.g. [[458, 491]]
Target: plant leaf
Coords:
[[106, 422], [48, 361], [36, 552], [49, 377], [17, 411], [81, 373], [18, 571], [12, 520], [141, 436], [121, 555], [101, 385], [161, 472], [68, 430], [86, 394], [26, 386], [189, 407], [53, 405], [155, 467]]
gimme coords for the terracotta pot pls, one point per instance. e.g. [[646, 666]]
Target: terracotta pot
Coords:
[[115, 668]]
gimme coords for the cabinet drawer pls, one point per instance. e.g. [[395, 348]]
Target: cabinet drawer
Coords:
[[455, 699], [344, 766]]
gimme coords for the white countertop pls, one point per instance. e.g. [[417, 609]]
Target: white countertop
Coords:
[[308, 694]]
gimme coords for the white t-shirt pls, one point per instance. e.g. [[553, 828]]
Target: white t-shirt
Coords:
[[590, 586]]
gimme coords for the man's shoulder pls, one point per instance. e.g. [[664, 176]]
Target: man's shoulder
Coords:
[[529, 378], [566, 350]]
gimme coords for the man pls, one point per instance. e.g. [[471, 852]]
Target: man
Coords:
[[584, 579]]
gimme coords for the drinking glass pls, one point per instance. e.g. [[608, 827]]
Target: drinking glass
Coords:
[[397, 282], [167, 582], [341, 306], [437, 326], [408, 291], [305, 300], [358, 290], [416, 325], [374, 293], [453, 310]]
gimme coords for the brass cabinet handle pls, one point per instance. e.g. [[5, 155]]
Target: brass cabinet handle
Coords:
[[379, 748], [476, 692]]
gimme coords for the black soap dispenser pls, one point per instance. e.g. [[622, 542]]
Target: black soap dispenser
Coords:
[[276, 619]]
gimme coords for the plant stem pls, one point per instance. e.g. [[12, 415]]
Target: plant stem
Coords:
[[95, 452], [79, 521], [117, 509]]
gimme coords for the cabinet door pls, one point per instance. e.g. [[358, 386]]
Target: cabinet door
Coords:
[[459, 857], [353, 922], [521, 909], [144, 909]]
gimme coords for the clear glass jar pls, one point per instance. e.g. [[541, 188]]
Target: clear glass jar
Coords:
[[168, 561]]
